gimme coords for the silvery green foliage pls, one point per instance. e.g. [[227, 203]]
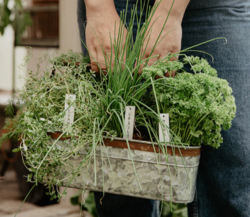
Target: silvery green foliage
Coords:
[[43, 111], [199, 103]]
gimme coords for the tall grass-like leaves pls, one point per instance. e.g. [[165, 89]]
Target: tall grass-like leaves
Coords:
[[123, 83]]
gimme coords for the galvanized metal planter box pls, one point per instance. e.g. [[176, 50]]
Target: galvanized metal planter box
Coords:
[[159, 177]]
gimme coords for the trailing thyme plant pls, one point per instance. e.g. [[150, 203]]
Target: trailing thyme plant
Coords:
[[43, 100]]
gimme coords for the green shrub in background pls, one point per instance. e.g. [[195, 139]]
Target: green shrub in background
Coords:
[[18, 21], [88, 205], [178, 210]]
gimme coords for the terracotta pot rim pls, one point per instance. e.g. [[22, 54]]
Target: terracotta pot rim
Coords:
[[140, 145]]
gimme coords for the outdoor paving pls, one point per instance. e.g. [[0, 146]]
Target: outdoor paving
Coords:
[[10, 202]]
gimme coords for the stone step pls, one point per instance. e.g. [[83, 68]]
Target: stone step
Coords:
[[11, 206], [48, 211]]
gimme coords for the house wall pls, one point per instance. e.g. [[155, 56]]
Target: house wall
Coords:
[[69, 40], [6, 57], [69, 33]]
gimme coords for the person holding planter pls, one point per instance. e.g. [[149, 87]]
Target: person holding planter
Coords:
[[223, 185], [103, 20]]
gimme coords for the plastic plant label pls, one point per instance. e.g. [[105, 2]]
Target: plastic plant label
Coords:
[[69, 115], [129, 121], [163, 131]]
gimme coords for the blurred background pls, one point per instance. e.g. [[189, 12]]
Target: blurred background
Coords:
[[45, 26]]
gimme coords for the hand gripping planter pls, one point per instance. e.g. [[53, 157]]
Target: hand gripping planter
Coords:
[[114, 171]]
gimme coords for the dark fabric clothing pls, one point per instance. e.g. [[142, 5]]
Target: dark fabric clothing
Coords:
[[223, 184]]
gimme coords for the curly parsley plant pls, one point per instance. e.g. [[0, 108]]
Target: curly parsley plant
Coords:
[[199, 103]]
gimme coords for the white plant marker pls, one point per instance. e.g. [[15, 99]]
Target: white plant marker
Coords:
[[129, 121], [69, 115], [163, 132]]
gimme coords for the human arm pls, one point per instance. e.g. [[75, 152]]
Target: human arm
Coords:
[[170, 38], [103, 22]]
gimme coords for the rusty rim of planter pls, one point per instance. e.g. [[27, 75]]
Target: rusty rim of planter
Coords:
[[140, 145]]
